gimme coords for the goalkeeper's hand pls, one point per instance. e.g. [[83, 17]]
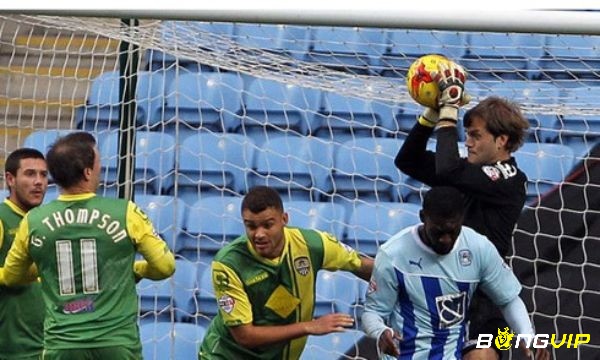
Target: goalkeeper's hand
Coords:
[[451, 79], [429, 117]]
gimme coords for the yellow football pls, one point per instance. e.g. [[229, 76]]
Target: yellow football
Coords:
[[421, 85]]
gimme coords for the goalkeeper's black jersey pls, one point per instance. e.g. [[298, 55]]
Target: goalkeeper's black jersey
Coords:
[[494, 193]]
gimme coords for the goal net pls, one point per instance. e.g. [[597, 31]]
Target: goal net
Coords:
[[318, 112]]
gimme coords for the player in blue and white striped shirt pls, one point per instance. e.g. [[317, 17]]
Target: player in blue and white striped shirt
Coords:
[[424, 278]]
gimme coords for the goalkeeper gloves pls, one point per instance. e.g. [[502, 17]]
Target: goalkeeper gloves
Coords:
[[429, 117], [451, 82]]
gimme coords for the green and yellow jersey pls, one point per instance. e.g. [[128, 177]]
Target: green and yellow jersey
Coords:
[[21, 307], [251, 289], [84, 248]]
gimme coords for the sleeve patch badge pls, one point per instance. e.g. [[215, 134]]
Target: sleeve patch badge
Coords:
[[492, 172], [226, 303], [302, 265]]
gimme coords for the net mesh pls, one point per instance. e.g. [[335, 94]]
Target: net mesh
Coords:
[[318, 112]]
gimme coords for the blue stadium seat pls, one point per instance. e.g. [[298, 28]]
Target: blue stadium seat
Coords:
[[42, 139], [150, 97], [166, 214], [4, 193], [324, 216], [171, 341], [296, 166], [503, 55], [213, 162], [272, 107], [580, 123], [203, 101], [332, 346], [287, 40], [364, 169], [406, 45], [154, 162], [372, 224], [336, 292], [546, 166], [102, 109], [343, 117], [171, 298], [219, 223], [571, 57], [355, 50], [103, 105], [52, 193], [533, 96], [205, 296], [193, 35]]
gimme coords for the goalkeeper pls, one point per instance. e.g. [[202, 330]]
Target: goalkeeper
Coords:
[[489, 178]]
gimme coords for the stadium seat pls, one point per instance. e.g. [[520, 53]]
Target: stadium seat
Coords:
[[203, 101], [351, 49], [102, 111], [166, 214], [546, 166], [150, 97], [332, 346], [406, 45], [205, 296], [343, 117], [336, 292], [581, 124], [493, 55], [372, 224], [197, 35], [324, 216], [171, 298], [170, 341], [286, 40], [4, 193], [52, 193], [41, 140], [211, 222], [570, 57], [296, 166], [364, 169], [534, 97], [154, 162], [214, 163], [272, 107]]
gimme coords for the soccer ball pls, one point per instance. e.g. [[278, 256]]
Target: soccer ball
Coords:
[[422, 87]]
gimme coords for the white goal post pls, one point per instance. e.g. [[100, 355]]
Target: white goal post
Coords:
[[315, 104]]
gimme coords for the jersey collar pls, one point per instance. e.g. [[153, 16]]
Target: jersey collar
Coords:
[[73, 197], [14, 207]]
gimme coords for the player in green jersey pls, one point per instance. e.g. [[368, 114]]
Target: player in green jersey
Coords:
[[84, 249], [264, 283], [21, 308]]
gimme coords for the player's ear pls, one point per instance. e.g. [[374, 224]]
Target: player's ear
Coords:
[[501, 141], [285, 217], [10, 179]]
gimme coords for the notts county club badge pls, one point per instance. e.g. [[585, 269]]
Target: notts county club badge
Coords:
[[302, 265]]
